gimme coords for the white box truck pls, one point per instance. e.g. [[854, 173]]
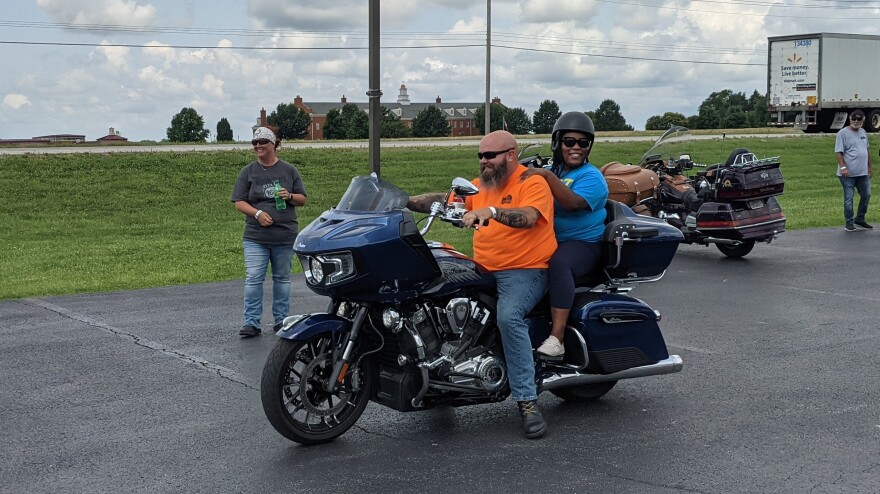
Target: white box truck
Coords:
[[821, 78]]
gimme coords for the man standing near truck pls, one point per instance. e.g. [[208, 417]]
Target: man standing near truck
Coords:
[[854, 170]]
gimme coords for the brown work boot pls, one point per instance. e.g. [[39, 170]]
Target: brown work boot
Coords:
[[534, 424]]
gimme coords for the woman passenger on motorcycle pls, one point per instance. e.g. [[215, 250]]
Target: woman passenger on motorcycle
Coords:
[[579, 193]]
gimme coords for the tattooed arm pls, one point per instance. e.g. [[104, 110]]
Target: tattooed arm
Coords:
[[518, 217], [513, 217], [422, 202]]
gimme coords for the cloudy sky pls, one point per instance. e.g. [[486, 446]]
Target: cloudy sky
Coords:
[[83, 66]]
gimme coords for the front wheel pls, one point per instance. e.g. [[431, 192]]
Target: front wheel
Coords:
[[736, 251], [584, 392], [293, 395]]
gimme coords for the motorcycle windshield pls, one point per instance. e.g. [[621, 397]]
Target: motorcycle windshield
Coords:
[[371, 193], [670, 145]]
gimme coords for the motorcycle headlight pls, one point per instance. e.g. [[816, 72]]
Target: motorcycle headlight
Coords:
[[328, 269]]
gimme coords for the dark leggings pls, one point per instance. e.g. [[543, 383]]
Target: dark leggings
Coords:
[[573, 259]]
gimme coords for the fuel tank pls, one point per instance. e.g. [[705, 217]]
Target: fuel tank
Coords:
[[458, 272]]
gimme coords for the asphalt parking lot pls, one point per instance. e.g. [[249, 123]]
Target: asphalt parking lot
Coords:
[[153, 391]]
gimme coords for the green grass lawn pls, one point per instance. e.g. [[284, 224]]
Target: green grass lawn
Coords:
[[100, 222]]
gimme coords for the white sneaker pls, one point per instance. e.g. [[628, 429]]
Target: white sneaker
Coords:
[[551, 347]]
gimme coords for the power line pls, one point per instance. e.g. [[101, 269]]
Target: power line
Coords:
[[628, 45], [649, 59], [748, 14], [208, 47], [194, 47]]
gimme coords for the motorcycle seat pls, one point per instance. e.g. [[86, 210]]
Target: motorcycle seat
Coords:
[[618, 168]]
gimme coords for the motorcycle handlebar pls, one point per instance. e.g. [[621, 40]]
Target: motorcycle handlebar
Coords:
[[451, 213]]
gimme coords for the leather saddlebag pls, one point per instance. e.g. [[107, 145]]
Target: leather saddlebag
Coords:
[[629, 184]]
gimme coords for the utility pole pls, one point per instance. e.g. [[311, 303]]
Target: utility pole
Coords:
[[374, 92], [488, 57]]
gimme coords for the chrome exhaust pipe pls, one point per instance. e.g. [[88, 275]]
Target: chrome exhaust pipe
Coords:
[[557, 381]]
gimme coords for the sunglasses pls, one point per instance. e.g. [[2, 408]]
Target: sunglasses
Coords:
[[569, 142], [491, 155], [261, 142], [857, 119]]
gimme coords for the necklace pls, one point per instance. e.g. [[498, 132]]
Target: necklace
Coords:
[[264, 167]]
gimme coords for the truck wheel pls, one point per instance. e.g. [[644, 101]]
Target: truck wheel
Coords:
[[873, 122]]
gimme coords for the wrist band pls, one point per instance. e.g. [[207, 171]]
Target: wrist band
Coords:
[[494, 212], [257, 216]]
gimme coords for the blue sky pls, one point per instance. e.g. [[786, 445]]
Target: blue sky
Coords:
[[650, 56]]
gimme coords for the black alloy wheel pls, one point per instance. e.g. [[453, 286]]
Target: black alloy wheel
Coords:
[[293, 394]]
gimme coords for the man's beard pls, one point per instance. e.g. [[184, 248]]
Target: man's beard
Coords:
[[496, 178]]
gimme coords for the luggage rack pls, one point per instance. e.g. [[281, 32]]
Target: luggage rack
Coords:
[[748, 159]]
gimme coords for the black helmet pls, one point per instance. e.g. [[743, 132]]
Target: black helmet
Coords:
[[573, 121]]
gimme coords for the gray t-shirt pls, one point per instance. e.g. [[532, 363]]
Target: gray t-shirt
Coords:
[[256, 186], [854, 146]]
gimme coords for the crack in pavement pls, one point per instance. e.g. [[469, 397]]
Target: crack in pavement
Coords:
[[655, 484], [222, 372]]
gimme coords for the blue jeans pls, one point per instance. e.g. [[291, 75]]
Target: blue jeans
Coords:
[[519, 290], [861, 184], [257, 257]]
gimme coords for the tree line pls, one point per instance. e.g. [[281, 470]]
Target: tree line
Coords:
[[724, 109]]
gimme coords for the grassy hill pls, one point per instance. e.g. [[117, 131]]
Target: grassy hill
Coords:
[[100, 222]]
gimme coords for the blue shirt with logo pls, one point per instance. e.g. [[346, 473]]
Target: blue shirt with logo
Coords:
[[587, 182]]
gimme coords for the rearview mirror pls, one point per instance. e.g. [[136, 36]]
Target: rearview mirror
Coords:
[[464, 187]]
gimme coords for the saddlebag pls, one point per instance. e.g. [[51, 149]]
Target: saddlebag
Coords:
[[629, 184], [751, 180], [746, 220], [621, 332], [637, 247]]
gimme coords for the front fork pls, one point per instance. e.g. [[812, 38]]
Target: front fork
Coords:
[[341, 365]]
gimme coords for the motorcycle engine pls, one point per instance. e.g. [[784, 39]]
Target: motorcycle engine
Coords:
[[449, 331], [485, 371]]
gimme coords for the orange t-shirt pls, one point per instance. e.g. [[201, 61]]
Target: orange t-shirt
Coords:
[[499, 247]]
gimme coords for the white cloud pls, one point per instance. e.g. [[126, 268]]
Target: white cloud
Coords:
[[212, 87], [161, 52], [161, 84], [103, 12], [16, 100], [115, 56], [309, 14], [566, 50], [537, 11]]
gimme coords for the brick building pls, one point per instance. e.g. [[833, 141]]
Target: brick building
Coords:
[[459, 115]]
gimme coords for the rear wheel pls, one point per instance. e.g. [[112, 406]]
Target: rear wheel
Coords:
[[872, 124], [293, 395], [584, 392], [736, 251]]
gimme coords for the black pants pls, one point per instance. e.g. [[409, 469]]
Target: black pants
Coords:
[[573, 259]]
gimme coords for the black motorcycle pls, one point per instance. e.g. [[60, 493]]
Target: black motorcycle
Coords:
[[732, 204], [411, 323]]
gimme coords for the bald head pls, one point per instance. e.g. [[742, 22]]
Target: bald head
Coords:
[[497, 140], [498, 151]]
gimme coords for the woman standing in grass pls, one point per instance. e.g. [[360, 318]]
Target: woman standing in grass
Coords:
[[266, 192]]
